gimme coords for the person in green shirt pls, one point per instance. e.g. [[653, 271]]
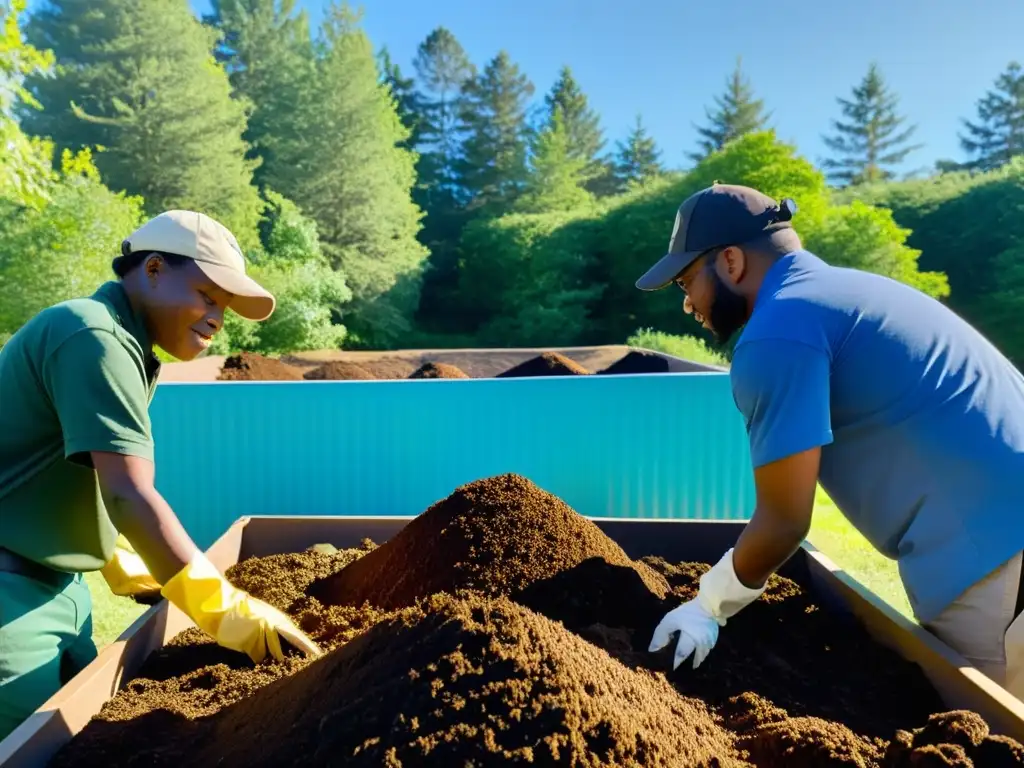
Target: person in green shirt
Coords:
[[77, 462]]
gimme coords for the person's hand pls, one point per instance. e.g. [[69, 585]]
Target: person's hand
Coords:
[[128, 576], [698, 632], [720, 597], [233, 618]]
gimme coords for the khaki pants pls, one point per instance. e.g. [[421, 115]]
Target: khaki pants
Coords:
[[981, 626]]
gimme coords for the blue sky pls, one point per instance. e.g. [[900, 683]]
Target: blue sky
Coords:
[[666, 59]]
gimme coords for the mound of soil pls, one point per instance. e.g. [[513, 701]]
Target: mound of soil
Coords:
[[469, 682], [637, 361], [248, 366], [546, 364], [438, 371], [496, 536], [389, 368], [339, 370], [545, 663], [952, 739], [770, 646], [158, 718]]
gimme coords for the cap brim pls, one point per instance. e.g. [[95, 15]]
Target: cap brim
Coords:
[[251, 300], [664, 272]]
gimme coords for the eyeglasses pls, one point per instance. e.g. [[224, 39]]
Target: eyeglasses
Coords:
[[708, 264]]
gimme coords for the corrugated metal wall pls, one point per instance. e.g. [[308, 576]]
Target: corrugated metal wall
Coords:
[[666, 445]]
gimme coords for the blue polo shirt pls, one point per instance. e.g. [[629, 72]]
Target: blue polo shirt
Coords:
[[920, 418]]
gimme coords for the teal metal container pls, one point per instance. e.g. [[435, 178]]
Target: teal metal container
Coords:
[[666, 445]]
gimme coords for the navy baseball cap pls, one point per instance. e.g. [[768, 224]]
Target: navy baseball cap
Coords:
[[720, 215]]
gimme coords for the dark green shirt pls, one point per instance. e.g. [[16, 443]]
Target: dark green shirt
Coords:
[[78, 377]]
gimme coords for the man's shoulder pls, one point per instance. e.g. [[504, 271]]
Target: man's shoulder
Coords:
[[815, 303], [92, 313], [53, 326], [85, 313], [790, 316]]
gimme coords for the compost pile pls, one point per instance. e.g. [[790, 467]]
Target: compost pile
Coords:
[[497, 537], [248, 366], [500, 627], [339, 370], [637, 362], [438, 371], [546, 364], [388, 368]]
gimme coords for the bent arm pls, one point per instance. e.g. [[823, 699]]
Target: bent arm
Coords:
[[96, 383], [138, 511], [782, 389], [98, 387], [782, 517]]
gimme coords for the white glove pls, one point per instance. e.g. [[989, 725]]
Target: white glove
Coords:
[[720, 597], [698, 632]]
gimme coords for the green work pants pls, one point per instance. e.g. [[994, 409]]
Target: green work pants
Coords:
[[45, 640]]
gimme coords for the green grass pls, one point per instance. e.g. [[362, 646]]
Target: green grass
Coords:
[[829, 532], [686, 347], [840, 541], [111, 614]]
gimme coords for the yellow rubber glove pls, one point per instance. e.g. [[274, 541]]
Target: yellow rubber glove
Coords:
[[126, 574], [234, 619]]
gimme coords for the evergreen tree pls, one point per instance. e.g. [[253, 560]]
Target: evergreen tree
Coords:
[[493, 166], [407, 100], [137, 81], [638, 158], [583, 126], [267, 51], [871, 141], [557, 174], [358, 192], [998, 134], [737, 113], [442, 68], [947, 166]]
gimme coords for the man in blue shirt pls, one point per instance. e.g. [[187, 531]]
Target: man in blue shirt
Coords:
[[908, 417]]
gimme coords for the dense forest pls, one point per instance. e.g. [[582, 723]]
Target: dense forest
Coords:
[[455, 204]]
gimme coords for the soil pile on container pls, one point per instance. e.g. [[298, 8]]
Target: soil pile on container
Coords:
[[339, 370], [544, 664], [768, 736], [496, 536], [637, 362], [802, 659], [388, 368], [438, 371], [248, 366], [547, 364], [952, 739], [467, 682]]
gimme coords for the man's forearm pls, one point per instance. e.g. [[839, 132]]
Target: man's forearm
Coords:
[[149, 523], [764, 546]]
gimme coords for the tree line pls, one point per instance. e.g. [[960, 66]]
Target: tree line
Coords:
[[448, 206]]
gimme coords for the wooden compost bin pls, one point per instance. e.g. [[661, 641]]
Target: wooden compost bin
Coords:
[[66, 713]]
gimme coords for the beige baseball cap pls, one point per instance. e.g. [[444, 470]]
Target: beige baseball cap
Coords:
[[214, 249]]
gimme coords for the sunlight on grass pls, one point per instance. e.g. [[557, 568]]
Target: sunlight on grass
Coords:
[[687, 347], [111, 615], [840, 541]]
